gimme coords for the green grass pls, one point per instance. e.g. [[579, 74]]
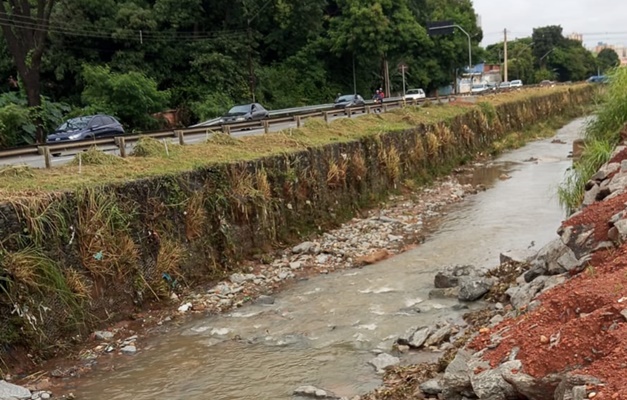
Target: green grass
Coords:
[[601, 136], [152, 160]]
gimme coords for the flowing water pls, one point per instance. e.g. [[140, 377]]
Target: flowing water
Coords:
[[323, 331]]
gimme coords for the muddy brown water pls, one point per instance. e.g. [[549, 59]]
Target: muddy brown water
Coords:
[[323, 331]]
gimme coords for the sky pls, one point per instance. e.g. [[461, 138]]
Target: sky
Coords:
[[598, 20]]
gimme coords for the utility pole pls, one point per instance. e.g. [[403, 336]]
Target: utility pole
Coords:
[[354, 76], [386, 77], [505, 78], [403, 67]]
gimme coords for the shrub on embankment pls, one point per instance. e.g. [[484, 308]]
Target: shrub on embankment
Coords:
[[602, 134], [72, 259]]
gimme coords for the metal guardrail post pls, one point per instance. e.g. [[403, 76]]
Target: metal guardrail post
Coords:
[[47, 157], [325, 114], [226, 130], [266, 126], [121, 142], [385, 107], [368, 109], [181, 136], [297, 119], [349, 112]]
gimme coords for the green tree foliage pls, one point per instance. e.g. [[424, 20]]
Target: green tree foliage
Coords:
[[130, 96], [199, 55], [607, 59]]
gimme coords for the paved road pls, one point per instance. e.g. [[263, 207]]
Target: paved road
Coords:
[[37, 161]]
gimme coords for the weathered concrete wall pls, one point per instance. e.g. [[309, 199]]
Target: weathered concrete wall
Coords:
[[72, 260]]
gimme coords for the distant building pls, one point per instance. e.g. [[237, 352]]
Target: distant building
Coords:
[[480, 73], [620, 49], [576, 36]]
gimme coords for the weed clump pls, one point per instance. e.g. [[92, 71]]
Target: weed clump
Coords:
[[93, 156], [16, 171], [150, 147], [223, 139]]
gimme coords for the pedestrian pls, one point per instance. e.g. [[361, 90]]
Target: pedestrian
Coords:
[[377, 98], [381, 96]]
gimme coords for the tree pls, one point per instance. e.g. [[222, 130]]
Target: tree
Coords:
[[131, 96], [545, 40], [25, 27], [607, 59]]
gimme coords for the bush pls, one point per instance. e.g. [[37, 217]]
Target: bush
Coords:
[[132, 97]]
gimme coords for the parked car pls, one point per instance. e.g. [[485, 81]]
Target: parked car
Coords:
[[598, 79], [348, 100], [86, 127], [516, 83], [505, 85], [547, 83], [245, 112], [479, 88], [414, 94]]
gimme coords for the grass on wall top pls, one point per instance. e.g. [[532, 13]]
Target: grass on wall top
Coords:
[[25, 181]]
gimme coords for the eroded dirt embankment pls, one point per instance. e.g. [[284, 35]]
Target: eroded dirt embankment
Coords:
[[74, 260]]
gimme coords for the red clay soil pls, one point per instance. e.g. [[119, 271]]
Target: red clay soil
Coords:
[[598, 214], [578, 328]]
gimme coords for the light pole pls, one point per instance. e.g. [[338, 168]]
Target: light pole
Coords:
[[465, 33]]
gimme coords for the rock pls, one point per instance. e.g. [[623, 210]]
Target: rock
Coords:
[[449, 277], [472, 288], [535, 271], [456, 378], [530, 387], [578, 393], [44, 396], [497, 319], [403, 349], [521, 296], [303, 248], [444, 293], [439, 335], [565, 388], [618, 183], [185, 307], [129, 349], [296, 265], [372, 258], [517, 256], [382, 361], [419, 337], [238, 278], [432, 387], [591, 194], [266, 300], [11, 391], [314, 392], [490, 384], [557, 258], [103, 335], [621, 230]]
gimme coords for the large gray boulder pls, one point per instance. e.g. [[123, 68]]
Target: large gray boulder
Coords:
[[490, 385], [472, 288], [456, 378], [432, 387], [557, 257], [382, 361], [314, 392], [449, 277], [11, 391], [517, 256]]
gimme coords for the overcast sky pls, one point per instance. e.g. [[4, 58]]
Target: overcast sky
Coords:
[[598, 20]]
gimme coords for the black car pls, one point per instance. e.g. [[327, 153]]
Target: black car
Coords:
[[87, 127], [245, 112], [349, 100]]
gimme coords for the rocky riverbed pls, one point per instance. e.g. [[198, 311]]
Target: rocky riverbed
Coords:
[[561, 329]]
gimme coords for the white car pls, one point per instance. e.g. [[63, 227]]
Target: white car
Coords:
[[479, 88], [414, 94], [516, 83], [505, 85]]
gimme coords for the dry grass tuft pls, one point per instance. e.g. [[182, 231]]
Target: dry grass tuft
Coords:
[[433, 144], [93, 156], [195, 216], [150, 147], [16, 171], [358, 166], [223, 139]]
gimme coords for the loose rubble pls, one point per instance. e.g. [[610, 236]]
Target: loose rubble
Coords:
[[563, 334]]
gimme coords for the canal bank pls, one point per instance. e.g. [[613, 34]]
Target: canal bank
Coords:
[[324, 331], [99, 216]]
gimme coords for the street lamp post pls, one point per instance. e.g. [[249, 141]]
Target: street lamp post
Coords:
[[465, 33]]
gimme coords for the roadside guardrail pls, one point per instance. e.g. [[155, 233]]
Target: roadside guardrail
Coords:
[[296, 115]]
